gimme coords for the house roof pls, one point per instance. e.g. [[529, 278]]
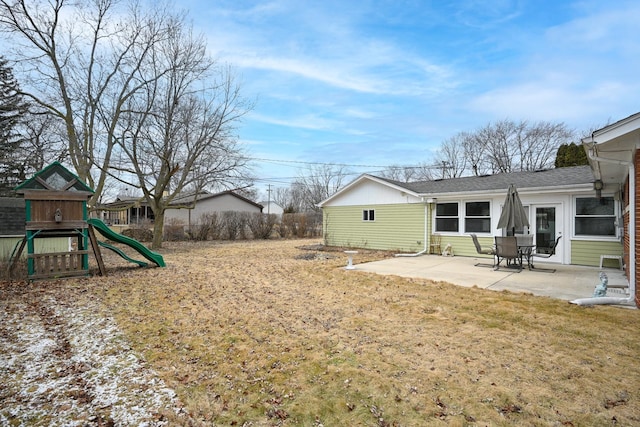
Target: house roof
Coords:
[[187, 199], [181, 200], [611, 149], [548, 179], [271, 203]]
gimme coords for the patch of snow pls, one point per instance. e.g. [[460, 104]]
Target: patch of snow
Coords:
[[95, 378]]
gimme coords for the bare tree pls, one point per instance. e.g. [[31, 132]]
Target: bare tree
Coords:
[[44, 140], [179, 133], [540, 145], [318, 182], [420, 172], [131, 87], [399, 173], [508, 146], [500, 145], [451, 156], [80, 62], [474, 153], [291, 198]]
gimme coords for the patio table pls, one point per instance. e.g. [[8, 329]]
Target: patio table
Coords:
[[525, 252]]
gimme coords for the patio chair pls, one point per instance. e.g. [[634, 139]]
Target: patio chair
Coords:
[[507, 249], [525, 247], [551, 253], [483, 251]]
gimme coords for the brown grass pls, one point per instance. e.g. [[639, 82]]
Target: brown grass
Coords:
[[269, 333]]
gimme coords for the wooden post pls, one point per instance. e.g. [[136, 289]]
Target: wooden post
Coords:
[[96, 251], [16, 256]]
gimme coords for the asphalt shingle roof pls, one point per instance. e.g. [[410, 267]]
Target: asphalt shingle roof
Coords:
[[528, 179]]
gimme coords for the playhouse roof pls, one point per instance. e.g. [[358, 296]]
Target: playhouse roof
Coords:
[[54, 177]]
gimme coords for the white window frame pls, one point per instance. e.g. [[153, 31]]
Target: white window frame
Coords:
[[367, 214], [476, 217], [616, 218], [436, 217]]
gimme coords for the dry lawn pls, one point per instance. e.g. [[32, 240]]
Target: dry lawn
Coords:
[[278, 333]]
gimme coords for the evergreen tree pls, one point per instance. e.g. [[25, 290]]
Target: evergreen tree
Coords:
[[12, 109], [571, 155]]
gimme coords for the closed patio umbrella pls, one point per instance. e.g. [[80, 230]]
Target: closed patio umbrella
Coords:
[[513, 215]]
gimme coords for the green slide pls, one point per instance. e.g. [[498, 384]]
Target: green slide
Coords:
[[122, 254], [112, 235]]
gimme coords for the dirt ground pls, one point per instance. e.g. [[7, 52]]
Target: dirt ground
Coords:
[[279, 333]]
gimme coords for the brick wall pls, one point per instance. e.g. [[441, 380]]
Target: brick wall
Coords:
[[12, 216], [637, 222], [626, 242]]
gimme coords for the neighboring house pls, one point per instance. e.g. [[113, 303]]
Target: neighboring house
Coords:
[[377, 213], [190, 208], [615, 159], [126, 210], [271, 207], [12, 216], [12, 224]]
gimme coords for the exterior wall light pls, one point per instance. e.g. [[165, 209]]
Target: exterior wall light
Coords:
[[598, 185]]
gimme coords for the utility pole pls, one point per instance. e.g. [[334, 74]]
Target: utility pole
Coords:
[[269, 199]]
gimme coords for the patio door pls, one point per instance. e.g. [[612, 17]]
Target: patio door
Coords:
[[548, 226]]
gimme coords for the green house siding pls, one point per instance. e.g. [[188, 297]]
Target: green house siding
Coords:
[[587, 252], [400, 227], [54, 244], [396, 227], [463, 245]]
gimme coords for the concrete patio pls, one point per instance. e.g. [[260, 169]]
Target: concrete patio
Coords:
[[568, 282]]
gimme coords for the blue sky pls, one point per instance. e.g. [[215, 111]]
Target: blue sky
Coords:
[[384, 82]]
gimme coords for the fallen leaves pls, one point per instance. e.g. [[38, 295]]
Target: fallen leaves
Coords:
[[275, 333], [63, 363], [621, 399]]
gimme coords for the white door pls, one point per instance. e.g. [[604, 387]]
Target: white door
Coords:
[[547, 228]]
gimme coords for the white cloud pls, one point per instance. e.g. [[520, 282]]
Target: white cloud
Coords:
[[374, 71], [311, 122], [579, 73], [488, 14], [391, 79], [323, 46]]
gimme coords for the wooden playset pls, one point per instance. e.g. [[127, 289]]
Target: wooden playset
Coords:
[[56, 206]]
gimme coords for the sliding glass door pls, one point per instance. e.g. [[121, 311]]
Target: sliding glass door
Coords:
[[547, 228]]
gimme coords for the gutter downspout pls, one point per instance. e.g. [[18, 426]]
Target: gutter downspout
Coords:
[[632, 240], [426, 245]]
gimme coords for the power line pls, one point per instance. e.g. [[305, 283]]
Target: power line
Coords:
[[287, 180], [277, 161]]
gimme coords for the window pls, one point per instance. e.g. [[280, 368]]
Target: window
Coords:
[[368, 215], [447, 217], [595, 216], [477, 217]]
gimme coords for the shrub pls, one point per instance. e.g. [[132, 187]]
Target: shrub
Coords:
[[244, 219], [19, 268], [174, 230], [208, 227], [232, 224], [301, 225], [261, 225], [140, 231]]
